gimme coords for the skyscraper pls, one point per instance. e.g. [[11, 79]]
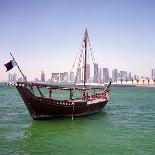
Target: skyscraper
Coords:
[[87, 72], [96, 75], [105, 75], [20, 79], [100, 76], [114, 75], [14, 78], [64, 77], [153, 74], [10, 77], [71, 78], [129, 76], [123, 75], [61, 77], [55, 77], [42, 76], [79, 79]]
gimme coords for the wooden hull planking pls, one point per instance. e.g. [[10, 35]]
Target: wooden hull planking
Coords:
[[42, 108]]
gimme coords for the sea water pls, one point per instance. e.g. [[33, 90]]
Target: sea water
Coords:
[[126, 126]]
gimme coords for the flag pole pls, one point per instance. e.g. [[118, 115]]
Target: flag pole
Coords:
[[19, 69]]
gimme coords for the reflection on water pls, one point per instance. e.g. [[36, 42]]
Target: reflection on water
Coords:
[[59, 135]]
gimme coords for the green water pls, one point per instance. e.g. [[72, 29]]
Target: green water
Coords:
[[125, 126]]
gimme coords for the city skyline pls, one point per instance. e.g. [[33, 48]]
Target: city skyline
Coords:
[[46, 35], [99, 75]]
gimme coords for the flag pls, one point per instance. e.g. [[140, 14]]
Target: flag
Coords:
[[10, 65]]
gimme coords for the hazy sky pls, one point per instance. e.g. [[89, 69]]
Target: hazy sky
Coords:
[[46, 34]]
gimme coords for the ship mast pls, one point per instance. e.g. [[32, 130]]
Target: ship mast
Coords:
[[85, 56]]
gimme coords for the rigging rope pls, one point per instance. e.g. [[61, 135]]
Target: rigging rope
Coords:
[[78, 67]]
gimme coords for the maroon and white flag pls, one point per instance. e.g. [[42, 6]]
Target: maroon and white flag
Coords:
[[10, 65]]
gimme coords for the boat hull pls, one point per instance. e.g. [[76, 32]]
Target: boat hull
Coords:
[[43, 108]]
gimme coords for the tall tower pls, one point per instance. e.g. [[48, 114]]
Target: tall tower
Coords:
[[87, 72], [123, 75], [71, 78], [42, 76], [129, 76], [96, 73], [153, 74], [14, 77], [114, 75], [79, 75], [105, 75], [100, 76], [10, 78]]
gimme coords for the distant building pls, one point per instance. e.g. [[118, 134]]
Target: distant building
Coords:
[[87, 72], [61, 77], [147, 78], [71, 77], [55, 77], [20, 79], [42, 76], [79, 75], [10, 78], [118, 76], [134, 77], [14, 78], [36, 79], [123, 75], [96, 73], [64, 77], [153, 74], [129, 76], [100, 76], [114, 75], [105, 75]]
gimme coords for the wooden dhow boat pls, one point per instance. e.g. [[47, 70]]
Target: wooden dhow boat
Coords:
[[40, 106]]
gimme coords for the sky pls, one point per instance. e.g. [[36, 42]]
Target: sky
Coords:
[[45, 35]]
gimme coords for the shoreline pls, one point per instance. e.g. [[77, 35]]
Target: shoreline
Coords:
[[134, 85]]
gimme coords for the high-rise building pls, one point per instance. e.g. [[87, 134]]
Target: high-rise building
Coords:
[[71, 77], [55, 77], [61, 77], [153, 74], [20, 79], [118, 76], [114, 75], [87, 72], [42, 76], [129, 76], [135, 77], [123, 75], [64, 77], [100, 76], [36, 79], [14, 78], [105, 75], [96, 73], [79, 79], [10, 78]]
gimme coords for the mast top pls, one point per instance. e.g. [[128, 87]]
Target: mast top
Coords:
[[85, 34]]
